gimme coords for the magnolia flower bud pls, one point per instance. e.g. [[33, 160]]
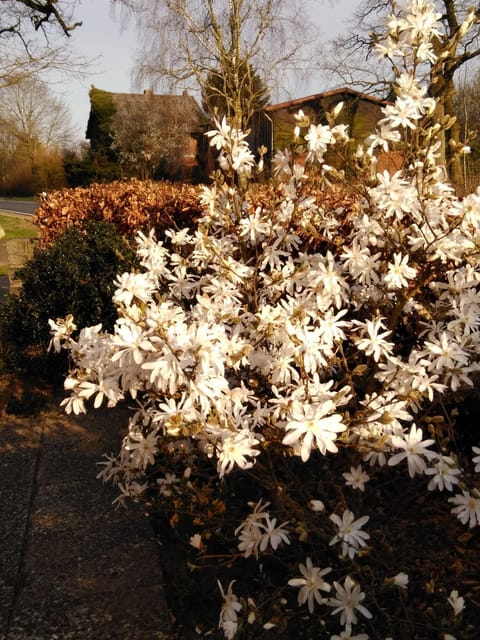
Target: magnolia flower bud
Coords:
[[337, 109]]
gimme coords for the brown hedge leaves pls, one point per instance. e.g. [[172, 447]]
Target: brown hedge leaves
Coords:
[[131, 205], [135, 205]]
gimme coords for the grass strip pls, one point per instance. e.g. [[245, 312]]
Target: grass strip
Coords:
[[17, 226], [14, 227]]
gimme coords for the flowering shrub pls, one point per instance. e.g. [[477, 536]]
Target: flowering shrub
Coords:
[[276, 353]]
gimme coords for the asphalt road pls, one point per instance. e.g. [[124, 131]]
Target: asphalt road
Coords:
[[18, 206]]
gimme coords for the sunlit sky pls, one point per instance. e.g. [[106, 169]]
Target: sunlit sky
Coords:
[[103, 37]]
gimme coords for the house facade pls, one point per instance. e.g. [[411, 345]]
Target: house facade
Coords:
[[273, 126], [163, 136], [147, 135]]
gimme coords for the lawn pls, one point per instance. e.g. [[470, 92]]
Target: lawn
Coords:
[[15, 227]]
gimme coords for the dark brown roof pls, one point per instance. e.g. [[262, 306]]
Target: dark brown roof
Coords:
[[325, 94], [170, 106]]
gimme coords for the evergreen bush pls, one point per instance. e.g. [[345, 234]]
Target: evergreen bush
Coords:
[[73, 275]]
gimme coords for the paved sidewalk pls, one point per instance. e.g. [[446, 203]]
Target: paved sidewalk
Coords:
[[71, 566]]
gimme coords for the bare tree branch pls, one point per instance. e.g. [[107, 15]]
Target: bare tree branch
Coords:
[[32, 38], [38, 12], [194, 40], [453, 50]]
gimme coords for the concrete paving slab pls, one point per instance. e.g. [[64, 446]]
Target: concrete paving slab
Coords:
[[7, 597], [87, 565], [12, 533], [17, 470], [64, 507], [19, 436], [76, 568], [127, 618]]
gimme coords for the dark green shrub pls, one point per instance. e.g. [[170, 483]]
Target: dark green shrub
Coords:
[[74, 274]]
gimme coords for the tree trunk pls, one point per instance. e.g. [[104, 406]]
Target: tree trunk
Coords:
[[452, 142]]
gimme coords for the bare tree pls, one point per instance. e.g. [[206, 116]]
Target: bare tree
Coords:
[[33, 38], [353, 54], [350, 60], [150, 133], [185, 40], [7, 154], [36, 125]]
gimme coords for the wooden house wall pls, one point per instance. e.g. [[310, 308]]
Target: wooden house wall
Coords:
[[273, 127]]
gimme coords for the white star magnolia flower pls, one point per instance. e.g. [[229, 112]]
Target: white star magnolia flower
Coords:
[[236, 449], [309, 347], [243, 159], [444, 352], [319, 137], [61, 330], [399, 273], [414, 449], [282, 162], [250, 536], [349, 533], [444, 474], [130, 286], [386, 412], [220, 134], [331, 327], [273, 536], [311, 583], [168, 486], [75, 403], [421, 21], [311, 424], [259, 530], [228, 614], [394, 196], [142, 449], [254, 227], [457, 602], [234, 150], [404, 113], [373, 342], [476, 459], [409, 85], [132, 490], [347, 601], [356, 478], [399, 580], [467, 508], [196, 541], [131, 343], [361, 264]]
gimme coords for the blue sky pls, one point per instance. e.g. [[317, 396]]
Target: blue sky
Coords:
[[103, 38]]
